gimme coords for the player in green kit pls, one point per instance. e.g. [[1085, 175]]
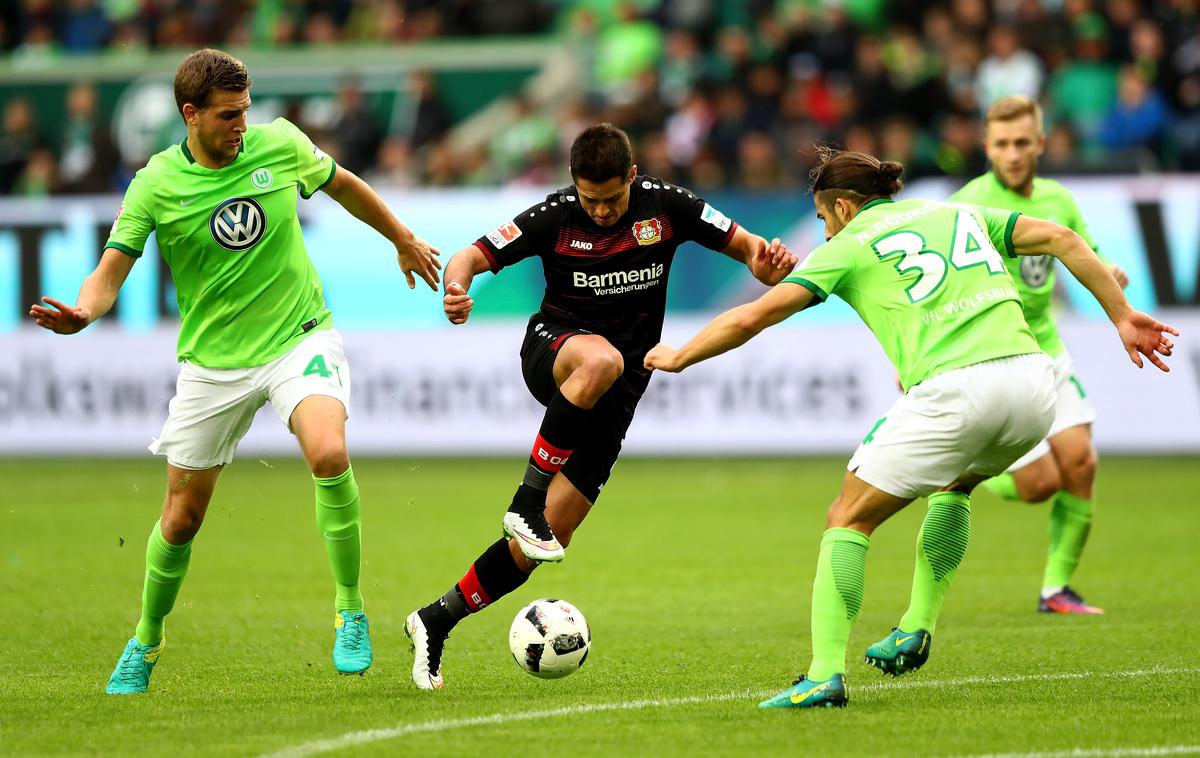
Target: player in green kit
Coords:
[[1062, 466], [928, 279], [253, 329]]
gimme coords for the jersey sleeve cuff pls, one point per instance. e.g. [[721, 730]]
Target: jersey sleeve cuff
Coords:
[[1008, 232], [821, 294], [131, 252], [322, 185], [493, 264], [733, 227]]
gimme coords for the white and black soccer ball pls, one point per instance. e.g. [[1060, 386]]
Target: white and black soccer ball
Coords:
[[549, 638]]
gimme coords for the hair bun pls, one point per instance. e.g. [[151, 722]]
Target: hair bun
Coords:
[[889, 177]]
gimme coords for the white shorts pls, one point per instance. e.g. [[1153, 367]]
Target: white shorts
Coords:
[[213, 407], [976, 419], [1071, 408]]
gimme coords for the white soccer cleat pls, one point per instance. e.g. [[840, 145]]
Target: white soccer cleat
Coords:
[[427, 653], [533, 535]]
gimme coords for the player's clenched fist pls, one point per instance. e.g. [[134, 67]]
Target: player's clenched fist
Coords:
[[662, 357], [457, 303]]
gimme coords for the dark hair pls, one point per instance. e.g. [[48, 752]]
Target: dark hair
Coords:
[[601, 152], [857, 177], [207, 70]]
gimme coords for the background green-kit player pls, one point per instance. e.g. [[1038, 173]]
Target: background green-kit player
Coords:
[[1062, 466], [928, 279], [253, 329]]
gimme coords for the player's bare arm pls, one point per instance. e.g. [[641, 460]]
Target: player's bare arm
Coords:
[[1119, 274], [731, 329], [1141, 333], [460, 272], [96, 296], [414, 254], [769, 262]]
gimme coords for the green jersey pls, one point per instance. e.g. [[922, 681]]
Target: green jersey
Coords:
[[927, 279], [246, 289], [1033, 274]]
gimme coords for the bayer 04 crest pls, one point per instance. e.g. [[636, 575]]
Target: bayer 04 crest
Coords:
[[238, 224]]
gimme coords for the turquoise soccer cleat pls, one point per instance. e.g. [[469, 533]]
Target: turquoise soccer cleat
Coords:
[[352, 643], [900, 652], [806, 693], [132, 674]]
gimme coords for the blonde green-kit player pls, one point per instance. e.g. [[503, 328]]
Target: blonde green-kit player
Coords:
[[253, 329], [929, 280], [1063, 466]]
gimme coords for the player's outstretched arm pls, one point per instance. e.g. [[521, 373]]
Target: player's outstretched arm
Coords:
[[412, 253], [769, 262], [731, 329], [96, 296], [460, 272], [1141, 333]]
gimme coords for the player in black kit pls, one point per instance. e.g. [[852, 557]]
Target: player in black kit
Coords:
[[606, 246]]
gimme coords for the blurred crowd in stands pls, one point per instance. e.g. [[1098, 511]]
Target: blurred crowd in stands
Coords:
[[715, 93]]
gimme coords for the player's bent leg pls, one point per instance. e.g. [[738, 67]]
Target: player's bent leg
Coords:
[[838, 593], [941, 544], [494, 574], [168, 553], [838, 590], [584, 368], [501, 569], [319, 422], [1070, 521], [1038, 481]]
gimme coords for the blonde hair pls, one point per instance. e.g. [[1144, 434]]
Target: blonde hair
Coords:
[[1013, 107]]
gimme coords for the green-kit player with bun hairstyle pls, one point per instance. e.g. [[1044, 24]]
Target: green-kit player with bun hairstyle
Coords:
[[1063, 466], [929, 280], [253, 329]]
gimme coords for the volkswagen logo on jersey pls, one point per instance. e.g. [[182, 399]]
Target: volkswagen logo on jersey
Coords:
[[238, 223], [1035, 269]]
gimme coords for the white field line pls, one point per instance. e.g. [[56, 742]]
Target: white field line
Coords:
[[1115, 752], [351, 739]]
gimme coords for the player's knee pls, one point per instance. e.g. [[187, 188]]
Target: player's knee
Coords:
[[604, 366], [329, 461], [838, 515], [1037, 488], [180, 523], [1079, 470]]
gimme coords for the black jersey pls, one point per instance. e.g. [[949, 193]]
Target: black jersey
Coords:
[[611, 281]]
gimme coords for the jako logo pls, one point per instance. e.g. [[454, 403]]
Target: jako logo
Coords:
[[238, 224], [581, 245]]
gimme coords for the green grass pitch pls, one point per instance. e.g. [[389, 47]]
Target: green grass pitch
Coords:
[[695, 576]]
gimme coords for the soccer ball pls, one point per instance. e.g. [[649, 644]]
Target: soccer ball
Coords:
[[549, 638]]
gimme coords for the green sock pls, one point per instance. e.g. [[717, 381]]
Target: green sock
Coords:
[[941, 545], [1003, 486], [338, 514], [166, 566], [837, 596], [1070, 522]]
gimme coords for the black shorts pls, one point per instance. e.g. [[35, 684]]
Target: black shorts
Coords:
[[591, 463]]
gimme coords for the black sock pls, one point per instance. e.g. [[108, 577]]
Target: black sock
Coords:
[[562, 427], [493, 575]]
